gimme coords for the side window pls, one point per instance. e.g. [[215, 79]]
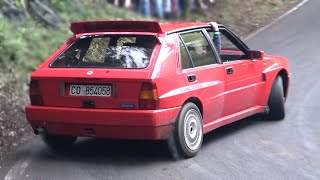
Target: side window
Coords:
[[185, 60], [229, 51], [199, 48], [226, 44]]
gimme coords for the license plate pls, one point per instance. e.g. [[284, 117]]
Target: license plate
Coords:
[[90, 90]]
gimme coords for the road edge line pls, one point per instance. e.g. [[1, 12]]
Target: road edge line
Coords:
[[17, 170]]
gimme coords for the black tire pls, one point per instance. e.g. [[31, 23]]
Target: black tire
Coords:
[[276, 101], [187, 135], [58, 143]]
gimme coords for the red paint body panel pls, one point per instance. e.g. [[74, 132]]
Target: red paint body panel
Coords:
[[152, 124], [224, 98], [232, 118]]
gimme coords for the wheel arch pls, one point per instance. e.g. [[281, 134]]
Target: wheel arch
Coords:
[[197, 102], [271, 76], [285, 81]]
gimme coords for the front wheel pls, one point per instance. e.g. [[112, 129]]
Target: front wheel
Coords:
[[186, 138], [276, 101], [58, 143]]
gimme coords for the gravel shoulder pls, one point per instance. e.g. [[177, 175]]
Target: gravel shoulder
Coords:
[[14, 129]]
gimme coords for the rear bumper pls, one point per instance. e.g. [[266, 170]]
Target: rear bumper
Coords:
[[124, 124]]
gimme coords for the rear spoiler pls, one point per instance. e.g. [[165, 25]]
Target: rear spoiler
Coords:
[[115, 26]]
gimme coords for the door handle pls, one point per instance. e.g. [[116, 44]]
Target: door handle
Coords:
[[192, 78], [230, 70]]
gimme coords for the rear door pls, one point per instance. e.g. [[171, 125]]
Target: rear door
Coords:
[[203, 74]]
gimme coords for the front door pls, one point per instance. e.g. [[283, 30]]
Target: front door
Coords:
[[242, 79], [240, 86]]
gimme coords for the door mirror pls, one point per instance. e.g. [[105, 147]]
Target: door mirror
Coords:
[[256, 54]]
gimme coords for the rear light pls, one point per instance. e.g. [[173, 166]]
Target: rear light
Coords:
[[148, 97], [35, 93]]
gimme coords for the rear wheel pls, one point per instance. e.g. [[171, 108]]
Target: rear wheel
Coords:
[[186, 138], [276, 101], [58, 143]]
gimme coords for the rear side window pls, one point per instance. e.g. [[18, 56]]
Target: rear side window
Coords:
[[113, 51], [199, 48], [185, 60]]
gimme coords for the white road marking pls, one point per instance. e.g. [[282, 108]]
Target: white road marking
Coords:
[[277, 20], [17, 170]]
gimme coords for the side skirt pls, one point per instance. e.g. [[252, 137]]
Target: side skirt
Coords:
[[232, 118]]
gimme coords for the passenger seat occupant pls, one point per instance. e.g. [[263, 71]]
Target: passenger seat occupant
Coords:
[[216, 36]]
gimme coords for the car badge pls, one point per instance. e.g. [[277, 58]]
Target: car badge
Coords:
[[89, 73]]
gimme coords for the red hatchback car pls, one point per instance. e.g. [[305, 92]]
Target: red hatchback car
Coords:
[[150, 80]]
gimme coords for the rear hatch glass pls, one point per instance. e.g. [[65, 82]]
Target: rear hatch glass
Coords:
[[108, 51]]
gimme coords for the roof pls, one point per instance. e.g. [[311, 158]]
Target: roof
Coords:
[[132, 26]]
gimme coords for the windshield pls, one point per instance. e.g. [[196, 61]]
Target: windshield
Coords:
[[111, 51]]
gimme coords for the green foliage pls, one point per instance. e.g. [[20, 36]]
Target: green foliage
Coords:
[[23, 49]]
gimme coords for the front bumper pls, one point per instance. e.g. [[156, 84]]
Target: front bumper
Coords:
[[123, 124]]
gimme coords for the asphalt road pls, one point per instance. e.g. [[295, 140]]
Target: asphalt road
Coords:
[[249, 149]]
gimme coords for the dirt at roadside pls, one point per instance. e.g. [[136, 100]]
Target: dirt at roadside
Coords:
[[14, 129], [243, 17]]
